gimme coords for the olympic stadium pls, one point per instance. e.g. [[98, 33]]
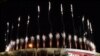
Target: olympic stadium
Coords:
[[53, 43]]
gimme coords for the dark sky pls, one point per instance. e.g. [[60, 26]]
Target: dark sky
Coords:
[[11, 10]]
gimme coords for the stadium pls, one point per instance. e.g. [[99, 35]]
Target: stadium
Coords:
[[52, 43]]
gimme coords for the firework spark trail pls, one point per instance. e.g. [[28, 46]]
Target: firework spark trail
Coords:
[[28, 21], [49, 17], [6, 35], [38, 23], [71, 7], [12, 27], [62, 20], [83, 25], [18, 25]]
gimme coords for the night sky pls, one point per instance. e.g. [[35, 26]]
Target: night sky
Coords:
[[11, 10]]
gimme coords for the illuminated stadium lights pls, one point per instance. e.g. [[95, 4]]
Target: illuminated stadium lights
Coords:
[[87, 44], [30, 45], [61, 38]]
